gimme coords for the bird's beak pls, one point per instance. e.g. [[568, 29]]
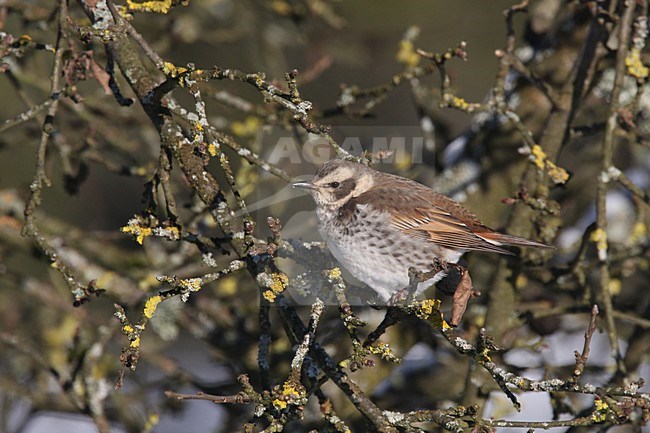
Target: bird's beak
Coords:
[[305, 185]]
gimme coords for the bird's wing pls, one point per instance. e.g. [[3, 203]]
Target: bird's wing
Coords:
[[442, 228], [413, 212]]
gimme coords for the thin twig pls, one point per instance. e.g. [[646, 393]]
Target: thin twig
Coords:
[[26, 115], [240, 398], [41, 180], [581, 358], [607, 149]]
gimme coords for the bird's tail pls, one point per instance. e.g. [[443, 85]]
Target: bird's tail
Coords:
[[497, 238]]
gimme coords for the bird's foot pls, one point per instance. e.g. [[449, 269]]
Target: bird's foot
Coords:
[[399, 297], [442, 265]]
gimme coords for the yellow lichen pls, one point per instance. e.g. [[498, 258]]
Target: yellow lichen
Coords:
[[598, 417], [281, 7], [599, 237], [212, 149], [276, 283], [484, 356], [124, 12], [334, 274], [57, 338], [157, 6], [135, 343], [639, 232], [279, 404], [540, 159], [227, 286], [635, 66], [459, 103], [148, 282], [615, 286], [100, 370], [384, 351], [406, 54], [259, 80], [152, 421], [521, 281], [192, 284], [280, 282], [444, 324], [247, 128], [289, 392], [538, 156], [173, 233], [136, 230], [427, 307], [403, 162], [600, 414], [269, 295], [601, 405], [479, 320], [106, 279], [247, 177], [558, 174], [127, 329], [151, 305], [172, 70]]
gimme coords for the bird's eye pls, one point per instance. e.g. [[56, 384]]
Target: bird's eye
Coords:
[[334, 184]]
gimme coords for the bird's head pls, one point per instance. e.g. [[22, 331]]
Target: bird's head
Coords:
[[337, 181]]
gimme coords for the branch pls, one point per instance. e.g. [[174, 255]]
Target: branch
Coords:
[[607, 147], [240, 398], [581, 358], [26, 115]]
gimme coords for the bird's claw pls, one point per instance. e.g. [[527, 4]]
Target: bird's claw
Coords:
[[399, 297]]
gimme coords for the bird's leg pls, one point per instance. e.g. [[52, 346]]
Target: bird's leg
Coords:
[[398, 297], [407, 294], [415, 277], [439, 265]]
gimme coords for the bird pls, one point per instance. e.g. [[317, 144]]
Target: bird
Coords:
[[380, 225]]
